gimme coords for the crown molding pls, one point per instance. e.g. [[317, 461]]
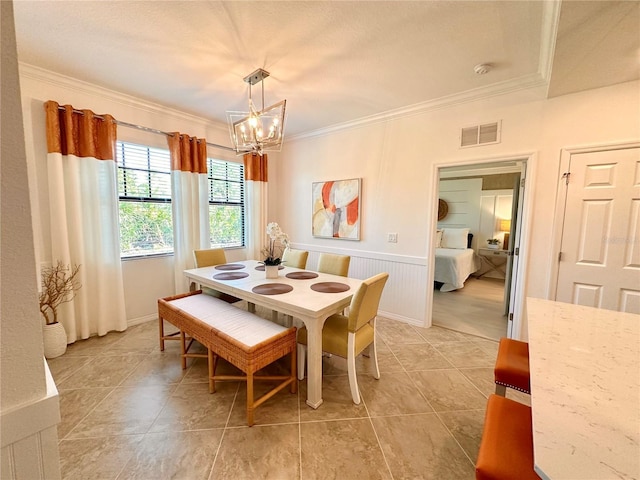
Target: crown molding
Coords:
[[52, 78], [525, 82]]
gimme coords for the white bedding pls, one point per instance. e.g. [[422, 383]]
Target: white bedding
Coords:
[[453, 267]]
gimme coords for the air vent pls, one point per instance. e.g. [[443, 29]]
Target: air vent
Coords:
[[480, 135]]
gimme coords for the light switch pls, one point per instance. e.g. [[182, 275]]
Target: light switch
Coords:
[[392, 237]]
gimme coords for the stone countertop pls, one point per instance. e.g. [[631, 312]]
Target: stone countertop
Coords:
[[585, 391]]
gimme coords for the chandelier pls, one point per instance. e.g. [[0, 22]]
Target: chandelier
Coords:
[[257, 130]]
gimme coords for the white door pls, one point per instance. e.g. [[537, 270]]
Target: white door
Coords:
[[600, 250]]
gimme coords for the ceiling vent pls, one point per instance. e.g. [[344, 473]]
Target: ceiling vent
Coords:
[[480, 135]]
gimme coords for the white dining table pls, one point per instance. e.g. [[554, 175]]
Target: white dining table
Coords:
[[302, 302], [585, 391]]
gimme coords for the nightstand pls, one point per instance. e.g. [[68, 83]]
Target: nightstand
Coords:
[[496, 260]]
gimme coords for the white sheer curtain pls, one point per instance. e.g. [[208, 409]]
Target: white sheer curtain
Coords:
[[83, 204], [190, 202], [256, 177]]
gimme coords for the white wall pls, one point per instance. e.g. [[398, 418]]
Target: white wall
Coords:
[[397, 161]]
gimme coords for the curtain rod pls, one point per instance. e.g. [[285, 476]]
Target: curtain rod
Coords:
[[147, 129]]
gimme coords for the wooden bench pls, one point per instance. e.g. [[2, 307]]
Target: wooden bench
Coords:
[[242, 338]]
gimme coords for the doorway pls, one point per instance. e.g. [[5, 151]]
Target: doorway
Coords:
[[487, 199]]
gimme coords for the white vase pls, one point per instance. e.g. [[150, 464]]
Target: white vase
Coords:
[[271, 271], [55, 340], [493, 246]]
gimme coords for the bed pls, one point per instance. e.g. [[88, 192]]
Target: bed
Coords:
[[454, 265]]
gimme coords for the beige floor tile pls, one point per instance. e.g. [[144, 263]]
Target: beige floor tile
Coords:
[[76, 404], [94, 345], [63, 367], [192, 407], [104, 371], [283, 407], [337, 402], [448, 390], [347, 449], [156, 369], [435, 335], [466, 354], [198, 370], [466, 426], [126, 411], [418, 446], [524, 398], [175, 455], [274, 453], [489, 346], [165, 424], [398, 333], [387, 363], [420, 356], [392, 395], [100, 458], [482, 378]]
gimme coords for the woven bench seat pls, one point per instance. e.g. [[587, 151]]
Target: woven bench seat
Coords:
[[242, 338]]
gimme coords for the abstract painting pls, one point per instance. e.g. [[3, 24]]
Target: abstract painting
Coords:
[[336, 209]]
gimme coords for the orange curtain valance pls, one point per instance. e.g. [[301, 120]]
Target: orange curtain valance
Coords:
[[80, 133], [255, 167], [188, 154]]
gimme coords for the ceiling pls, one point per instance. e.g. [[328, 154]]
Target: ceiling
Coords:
[[334, 62]]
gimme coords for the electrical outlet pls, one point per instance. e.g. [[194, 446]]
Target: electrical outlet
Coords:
[[392, 237]]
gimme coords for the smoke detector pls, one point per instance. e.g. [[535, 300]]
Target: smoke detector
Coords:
[[482, 68]]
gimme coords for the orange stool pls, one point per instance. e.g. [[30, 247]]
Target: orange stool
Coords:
[[512, 366], [506, 448]]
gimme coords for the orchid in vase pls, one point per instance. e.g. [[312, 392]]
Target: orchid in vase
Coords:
[[278, 242]]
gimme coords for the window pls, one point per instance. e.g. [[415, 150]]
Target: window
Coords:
[[226, 203], [144, 187]]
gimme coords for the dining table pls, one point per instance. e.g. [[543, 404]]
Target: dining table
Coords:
[[585, 391], [305, 295]]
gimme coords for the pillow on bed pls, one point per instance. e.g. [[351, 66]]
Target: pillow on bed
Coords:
[[438, 238], [454, 238]]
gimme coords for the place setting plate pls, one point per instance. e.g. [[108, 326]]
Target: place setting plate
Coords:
[[272, 288], [229, 266], [230, 275], [301, 275], [330, 287]]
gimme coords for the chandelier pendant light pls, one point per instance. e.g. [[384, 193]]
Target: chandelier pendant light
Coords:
[[257, 130]]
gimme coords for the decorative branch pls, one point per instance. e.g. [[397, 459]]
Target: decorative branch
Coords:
[[59, 285]]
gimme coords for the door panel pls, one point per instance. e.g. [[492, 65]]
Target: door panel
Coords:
[[600, 263]]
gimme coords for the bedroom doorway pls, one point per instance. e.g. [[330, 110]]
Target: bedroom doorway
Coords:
[[485, 198]]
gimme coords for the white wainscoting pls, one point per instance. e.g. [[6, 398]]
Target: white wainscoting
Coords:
[[30, 438], [404, 296]]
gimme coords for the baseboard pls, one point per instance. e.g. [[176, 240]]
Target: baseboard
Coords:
[[144, 319]]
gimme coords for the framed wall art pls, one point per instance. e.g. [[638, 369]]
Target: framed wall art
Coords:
[[336, 209]]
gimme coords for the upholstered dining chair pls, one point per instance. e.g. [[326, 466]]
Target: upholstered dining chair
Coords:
[[295, 258], [334, 264], [209, 258], [348, 336]]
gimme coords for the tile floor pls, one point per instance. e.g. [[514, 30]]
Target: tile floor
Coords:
[[130, 412]]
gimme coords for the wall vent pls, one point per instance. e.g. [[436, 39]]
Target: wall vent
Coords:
[[480, 135]]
